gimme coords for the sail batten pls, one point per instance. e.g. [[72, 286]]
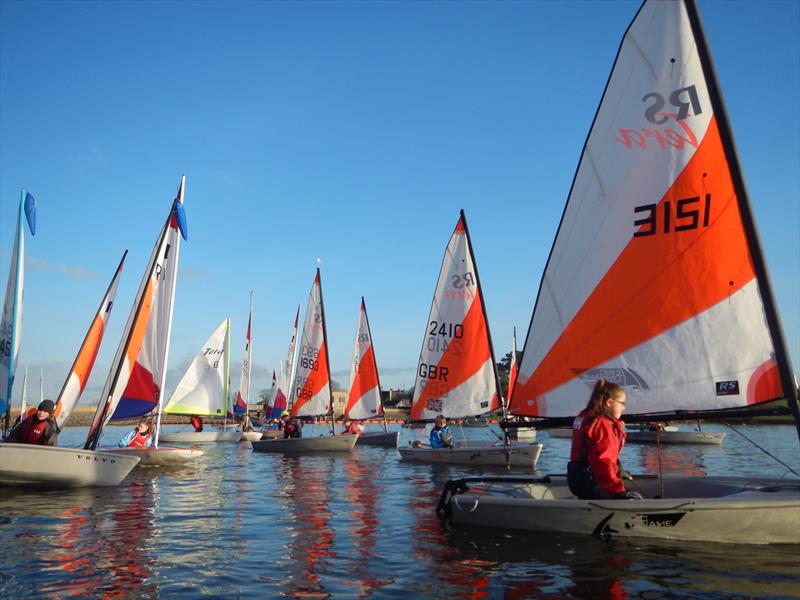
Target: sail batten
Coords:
[[654, 253]]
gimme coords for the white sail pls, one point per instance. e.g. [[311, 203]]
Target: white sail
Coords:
[[656, 253], [364, 398], [286, 369], [11, 322], [203, 389], [23, 404], [456, 374], [243, 395], [311, 390]]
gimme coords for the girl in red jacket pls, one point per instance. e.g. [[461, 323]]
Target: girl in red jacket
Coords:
[[598, 435]]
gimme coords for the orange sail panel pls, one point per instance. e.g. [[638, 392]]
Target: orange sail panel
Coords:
[[456, 374]]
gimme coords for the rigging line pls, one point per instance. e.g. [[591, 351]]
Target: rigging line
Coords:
[[764, 450]]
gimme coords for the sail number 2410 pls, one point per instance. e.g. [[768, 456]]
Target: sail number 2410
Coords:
[[682, 215]]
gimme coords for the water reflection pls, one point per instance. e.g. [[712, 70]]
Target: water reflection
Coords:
[[304, 489], [82, 542], [685, 460], [363, 491]]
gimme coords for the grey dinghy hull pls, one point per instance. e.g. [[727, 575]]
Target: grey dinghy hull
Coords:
[[199, 437], [664, 437], [51, 466], [712, 509], [161, 456], [520, 454], [379, 438], [307, 445]]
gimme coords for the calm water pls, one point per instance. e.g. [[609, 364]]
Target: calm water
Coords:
[[356, 526]]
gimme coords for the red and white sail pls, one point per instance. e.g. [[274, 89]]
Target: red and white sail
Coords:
[[135, 381], [84, 362], [311, 390], [456, 374], [281, 400], [513, 368], [243, 395], [651, 281], [364, 398]]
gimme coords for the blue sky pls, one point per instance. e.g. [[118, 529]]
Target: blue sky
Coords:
[[350, 131]]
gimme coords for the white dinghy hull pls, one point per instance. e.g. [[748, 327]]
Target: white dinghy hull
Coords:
[[199, 437], [379, 438], [49, 466], [250, 436], [709, 509], [664, 437], [310, 445], [161, 456], [477, 453]]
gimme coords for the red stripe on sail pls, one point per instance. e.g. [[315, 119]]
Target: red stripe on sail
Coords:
[[315, 382], [765, 383], [463, 358], [690, 271], [366, 379]]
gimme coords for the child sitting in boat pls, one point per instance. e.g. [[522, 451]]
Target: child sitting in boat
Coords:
[[39, 428], [140, 437], [440, 434], [292, 428], [598, 435], [353, 427]]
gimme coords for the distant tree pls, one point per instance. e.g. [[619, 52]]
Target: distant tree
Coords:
[[265, 396], [335, 385]]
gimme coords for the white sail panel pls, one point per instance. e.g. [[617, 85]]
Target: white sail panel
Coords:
[[364, 398], [203, 388], [311, 392], [286, 368], [456, 346], [651, 239]]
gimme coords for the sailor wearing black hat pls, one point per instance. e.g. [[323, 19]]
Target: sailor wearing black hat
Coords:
[[39, 428]]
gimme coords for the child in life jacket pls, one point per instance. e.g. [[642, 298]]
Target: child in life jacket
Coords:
[[39, 428], [140, 437]]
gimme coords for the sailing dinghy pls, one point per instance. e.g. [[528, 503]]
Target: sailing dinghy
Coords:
[[456, 375], [656, 281], [203, 391], [311, 387], [670, 434], [364, 399], [243, 395], [138, 372], [52, 466]]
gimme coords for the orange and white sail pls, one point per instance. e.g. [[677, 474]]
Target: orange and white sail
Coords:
[[282, 393], [311, 390], [513, 369], [84, 362], [655, 280], [364, 398], [136, 379], [456, 374]]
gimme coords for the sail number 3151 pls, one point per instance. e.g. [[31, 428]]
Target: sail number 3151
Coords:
[[684, 215]]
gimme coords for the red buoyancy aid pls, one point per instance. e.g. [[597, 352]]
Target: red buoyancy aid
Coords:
[[197, 423], [139, 440], [33, 431]]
